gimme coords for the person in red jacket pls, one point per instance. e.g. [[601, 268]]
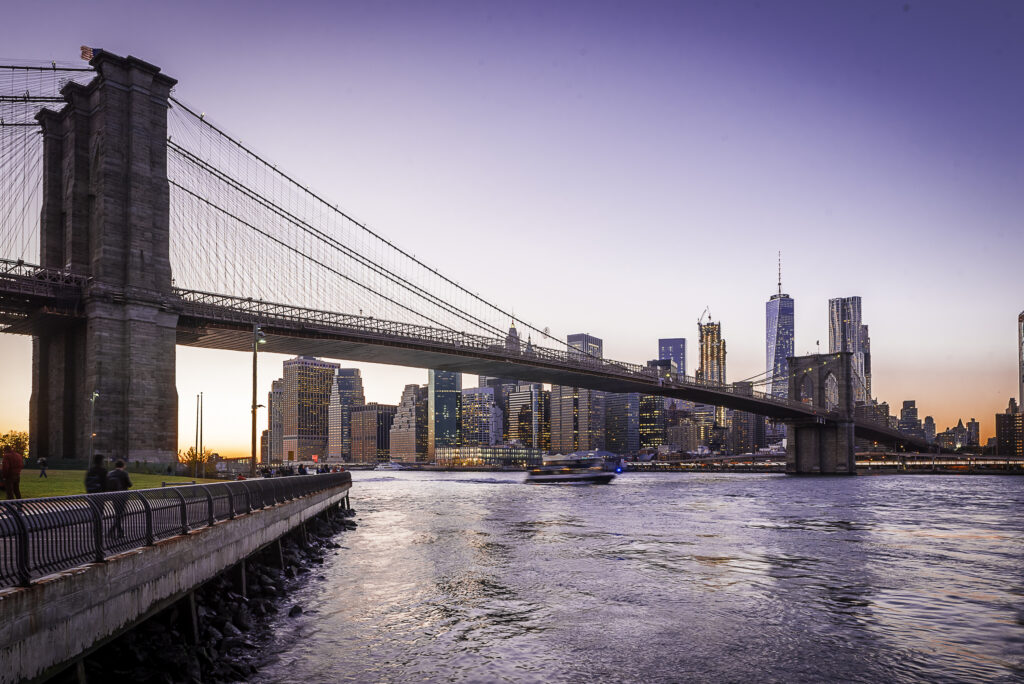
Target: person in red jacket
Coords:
[[10, 471]]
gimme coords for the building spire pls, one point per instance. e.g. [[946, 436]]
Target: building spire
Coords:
[[780, 271]]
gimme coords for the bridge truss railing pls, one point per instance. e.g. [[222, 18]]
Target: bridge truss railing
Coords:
[[246, 311], [43, 536]]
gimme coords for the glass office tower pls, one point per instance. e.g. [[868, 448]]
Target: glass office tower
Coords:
[[444, 403], [779, 334]]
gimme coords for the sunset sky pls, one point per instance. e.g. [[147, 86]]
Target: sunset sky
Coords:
[[616, 167]]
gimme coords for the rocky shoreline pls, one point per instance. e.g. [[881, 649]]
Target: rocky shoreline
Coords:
[[232, 627]]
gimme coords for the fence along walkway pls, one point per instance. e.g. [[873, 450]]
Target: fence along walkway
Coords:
[[43, 536]]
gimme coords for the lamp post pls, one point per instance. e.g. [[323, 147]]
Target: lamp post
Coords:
[[92, 425], [258, 338]]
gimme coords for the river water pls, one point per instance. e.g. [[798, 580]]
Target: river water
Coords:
[[475, 577]]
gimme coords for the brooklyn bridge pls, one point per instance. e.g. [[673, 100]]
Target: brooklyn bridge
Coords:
[[153, 228]]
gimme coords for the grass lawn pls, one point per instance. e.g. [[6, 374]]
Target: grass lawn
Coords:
[[62, 482]]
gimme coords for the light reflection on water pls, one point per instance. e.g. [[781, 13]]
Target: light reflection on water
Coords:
[[667, 577]]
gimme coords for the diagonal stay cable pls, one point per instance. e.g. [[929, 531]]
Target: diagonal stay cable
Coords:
[[331, 242], [330, 207], [296, 251]]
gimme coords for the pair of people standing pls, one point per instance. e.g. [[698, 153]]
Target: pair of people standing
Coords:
[[97, 480]]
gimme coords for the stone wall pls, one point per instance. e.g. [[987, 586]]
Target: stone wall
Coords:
[[45, 626]]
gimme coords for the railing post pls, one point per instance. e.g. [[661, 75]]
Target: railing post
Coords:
[[209, 505], [231, 503], [149, 519], [21, 543], [184, 511], [97, 518]]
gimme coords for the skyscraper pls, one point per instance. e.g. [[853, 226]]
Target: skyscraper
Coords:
[[712, 360], [346, 393], [371, 432], [651, 421], [929, 429], [844, 323], [275, 421], [586, 344], [529, 416], [306, 395], [444, 400], [712, 353], [779, 317], [1020, 356], [909, 422], [585, 430], [409, 429], [622, 423], [674, 349], [481, 417]]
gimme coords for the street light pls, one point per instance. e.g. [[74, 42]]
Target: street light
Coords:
[[258, 338], [92, 426]]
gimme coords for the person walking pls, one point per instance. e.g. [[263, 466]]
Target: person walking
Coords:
[[96, 476], [118, 481], [42, 467], [10, 472]]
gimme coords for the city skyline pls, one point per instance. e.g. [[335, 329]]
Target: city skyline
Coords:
[[871, 166]]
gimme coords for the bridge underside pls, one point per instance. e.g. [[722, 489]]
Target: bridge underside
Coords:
[[350, 347], [356, 346]]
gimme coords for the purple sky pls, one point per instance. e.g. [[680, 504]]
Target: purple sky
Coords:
[[616, 167]]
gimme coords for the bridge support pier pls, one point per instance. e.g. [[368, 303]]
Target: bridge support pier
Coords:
[[108, 385], [820, 449], [822, 446]]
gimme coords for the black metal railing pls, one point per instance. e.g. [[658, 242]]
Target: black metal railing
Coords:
[[41, 536]]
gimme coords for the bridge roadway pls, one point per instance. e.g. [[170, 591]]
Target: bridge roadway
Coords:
[[32, 297]]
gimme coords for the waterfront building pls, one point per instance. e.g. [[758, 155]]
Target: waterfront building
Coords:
[[305, 398], [684, 436], [346, 392], [844, 324], [481, 417], [444, 402], [371, 432], [503, 388], [929, 429], [865, 346], [529, 416], [496, 456], [746, 430], [275, 421], [577, 414], [909, 422], [1020, 356], [408, 440], [1010, 431], [673, 349], [779, 337], [265, 446], [973, 433], [622, 423], [651, 421], [952, 439]]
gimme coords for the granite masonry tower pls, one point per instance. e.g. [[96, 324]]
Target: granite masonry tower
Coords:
[[106, 383]]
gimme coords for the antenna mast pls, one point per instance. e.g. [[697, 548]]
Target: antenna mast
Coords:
[[780, 271]]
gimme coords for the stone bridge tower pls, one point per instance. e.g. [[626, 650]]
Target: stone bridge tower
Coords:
[[823, 445], [106, 383]]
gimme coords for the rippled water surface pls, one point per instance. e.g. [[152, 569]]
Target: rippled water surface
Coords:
[[664, 578]]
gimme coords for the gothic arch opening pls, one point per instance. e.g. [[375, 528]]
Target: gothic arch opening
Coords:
[[807, 391], [831, 392]]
